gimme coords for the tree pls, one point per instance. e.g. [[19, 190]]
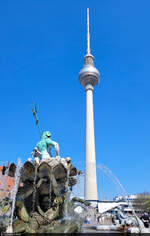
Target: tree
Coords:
[[149, 203], [142, 202]]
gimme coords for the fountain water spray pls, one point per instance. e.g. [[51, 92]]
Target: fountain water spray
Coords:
[[114, 179], [50, 189], [14, 193], [109, 173], [34, 191], [67, 195]]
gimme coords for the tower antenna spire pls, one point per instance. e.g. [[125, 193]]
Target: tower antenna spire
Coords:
[[88, 33]]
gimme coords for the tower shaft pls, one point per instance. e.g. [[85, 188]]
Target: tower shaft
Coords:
[[89, 77], [90, 161]]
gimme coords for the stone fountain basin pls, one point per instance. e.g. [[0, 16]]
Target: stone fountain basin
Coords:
[[103, 229], [135, 230], [107, 227]]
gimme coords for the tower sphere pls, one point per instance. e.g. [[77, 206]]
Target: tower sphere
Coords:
[[89, 74]]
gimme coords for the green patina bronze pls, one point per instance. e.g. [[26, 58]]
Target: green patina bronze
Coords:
[[45, 143], [43, 147]]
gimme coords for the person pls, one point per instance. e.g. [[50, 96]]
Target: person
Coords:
[[87, 220], [98, 218], [145, 219]]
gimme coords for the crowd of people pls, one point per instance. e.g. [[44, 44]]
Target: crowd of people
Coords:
[[145, 219]]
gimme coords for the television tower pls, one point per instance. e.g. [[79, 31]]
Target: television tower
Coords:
[[89, 77]]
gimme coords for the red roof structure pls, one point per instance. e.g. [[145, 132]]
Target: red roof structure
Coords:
[[6, 184]]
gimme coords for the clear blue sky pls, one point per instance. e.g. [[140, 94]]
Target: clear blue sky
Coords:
[[42, 45]]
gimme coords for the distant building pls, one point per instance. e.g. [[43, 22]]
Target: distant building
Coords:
[[126, 202], [126, 198]]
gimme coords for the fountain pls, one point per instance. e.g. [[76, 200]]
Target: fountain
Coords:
[[40, 201]]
